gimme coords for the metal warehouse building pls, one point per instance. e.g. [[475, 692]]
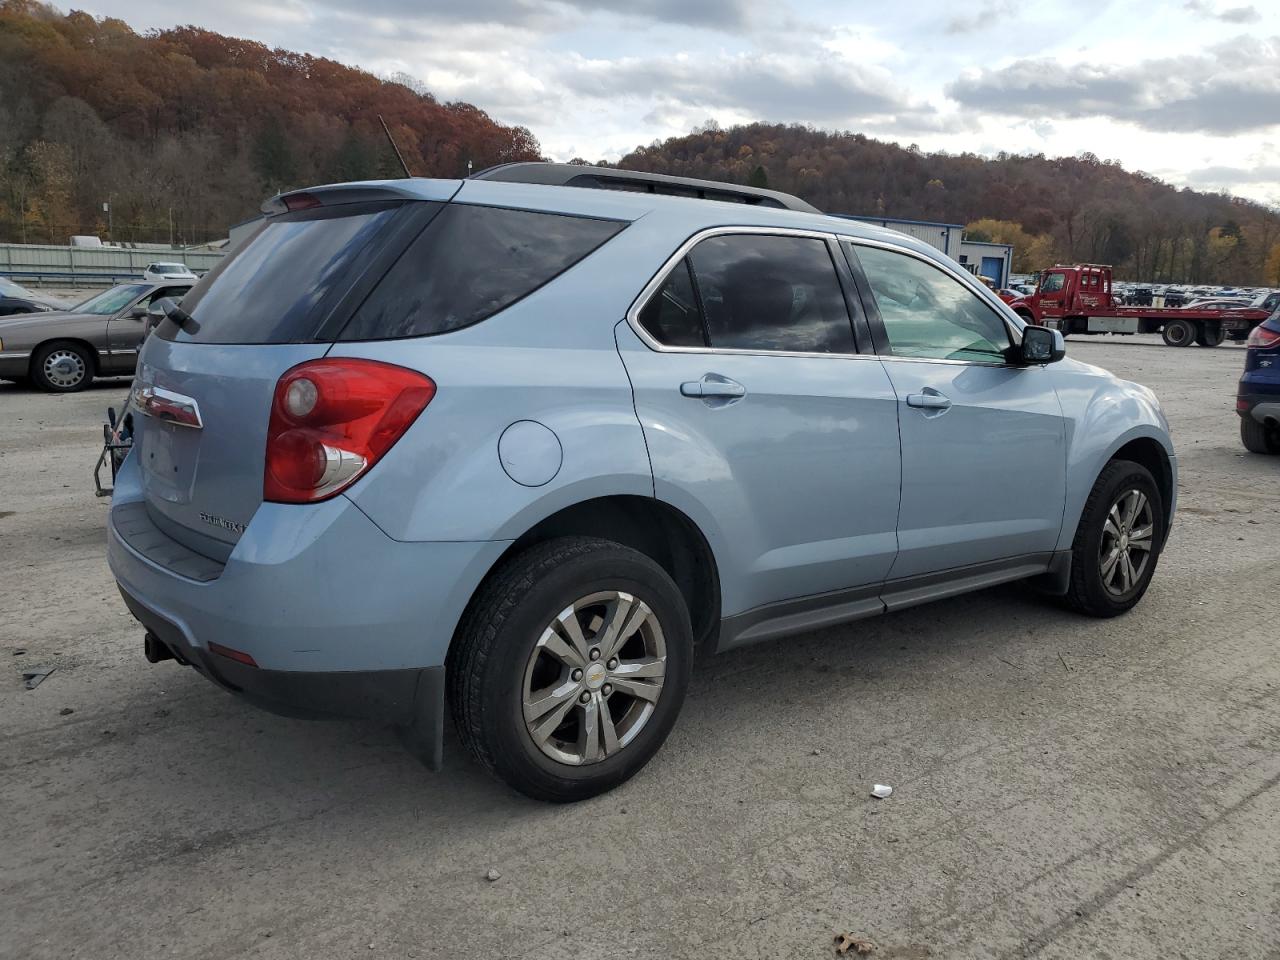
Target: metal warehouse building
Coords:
[[991, 260], [944, 236]]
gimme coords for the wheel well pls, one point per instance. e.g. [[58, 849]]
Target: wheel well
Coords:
[[657, 530], [1026, 315], [1151, 455], [88, 348]]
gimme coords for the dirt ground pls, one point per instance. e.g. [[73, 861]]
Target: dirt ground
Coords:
[[1063, 787]]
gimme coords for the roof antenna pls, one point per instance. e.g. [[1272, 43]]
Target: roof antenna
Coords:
[[387, 130]]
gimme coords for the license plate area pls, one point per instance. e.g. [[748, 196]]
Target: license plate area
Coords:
[[169, 455]]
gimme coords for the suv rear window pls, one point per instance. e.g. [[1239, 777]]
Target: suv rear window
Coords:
[[468, 264], [282, 283]]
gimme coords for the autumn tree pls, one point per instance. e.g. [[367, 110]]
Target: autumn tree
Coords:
[[191, 128]]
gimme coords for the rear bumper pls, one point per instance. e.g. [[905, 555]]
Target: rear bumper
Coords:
[[340, 619], [1263, 407], [391, 696]]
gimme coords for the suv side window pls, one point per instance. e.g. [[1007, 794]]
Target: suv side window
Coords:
[[672, 316], [470, 263], [927, 313], [761, 292]]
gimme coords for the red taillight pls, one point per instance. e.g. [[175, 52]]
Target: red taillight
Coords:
[[331, 420], [1263, 337], [300, 201]]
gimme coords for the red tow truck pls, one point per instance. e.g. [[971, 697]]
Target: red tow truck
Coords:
[[1078, 299]]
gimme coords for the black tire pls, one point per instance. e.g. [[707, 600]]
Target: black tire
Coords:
[[1087, 592], [1178, 333], [79, 364], [495, 642], [1258, 437], [1210, 334]]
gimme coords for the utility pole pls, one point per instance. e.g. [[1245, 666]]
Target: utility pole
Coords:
[[171, 228], [106, 208]]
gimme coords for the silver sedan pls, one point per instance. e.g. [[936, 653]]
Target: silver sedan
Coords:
[[63, 351]]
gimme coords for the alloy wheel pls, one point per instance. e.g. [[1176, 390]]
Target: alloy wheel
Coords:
[[1126, 548], [594, 678]]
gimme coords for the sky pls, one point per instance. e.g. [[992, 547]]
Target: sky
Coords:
[[1186, 90]]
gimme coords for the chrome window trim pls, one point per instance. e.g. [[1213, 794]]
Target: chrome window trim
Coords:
[[660, 277], [966, 280]]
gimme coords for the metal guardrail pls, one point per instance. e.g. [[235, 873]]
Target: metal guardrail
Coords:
[[41, 264]]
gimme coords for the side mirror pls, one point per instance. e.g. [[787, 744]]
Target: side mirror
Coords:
[[136, 312], [1042, 345]]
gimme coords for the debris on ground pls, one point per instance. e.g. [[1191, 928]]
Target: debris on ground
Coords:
[[66, 712], [492, 875], [881, 790], [848, 943], [34, 676]]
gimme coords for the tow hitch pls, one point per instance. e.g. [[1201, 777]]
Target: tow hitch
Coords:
[[117, 435]]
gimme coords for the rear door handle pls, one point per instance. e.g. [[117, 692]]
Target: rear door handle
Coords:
[[928, 401], [713, 385]]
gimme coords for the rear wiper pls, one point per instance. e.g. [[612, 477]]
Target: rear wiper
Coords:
[[169, 307]]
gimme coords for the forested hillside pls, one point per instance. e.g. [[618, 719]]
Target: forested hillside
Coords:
[[185, 132], [1075, 209], [199, 124]]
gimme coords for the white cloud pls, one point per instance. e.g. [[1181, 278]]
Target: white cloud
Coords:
[[1232, 88], [596, 78]]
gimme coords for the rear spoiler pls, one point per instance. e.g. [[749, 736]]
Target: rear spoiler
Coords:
[[331, 194]]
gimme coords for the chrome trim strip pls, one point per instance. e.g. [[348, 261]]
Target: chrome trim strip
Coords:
[[652, 287], [175, 408], [15, 354]]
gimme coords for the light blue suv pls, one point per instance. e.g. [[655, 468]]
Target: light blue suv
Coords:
[[528, 442]]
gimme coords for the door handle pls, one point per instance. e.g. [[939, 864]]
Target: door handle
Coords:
[[928, 401], [713, 385]]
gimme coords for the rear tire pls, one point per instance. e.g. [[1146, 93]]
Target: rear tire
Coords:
[[536, 640], [1178, 333], [1258, 437], [62, 367], [1211, 334], [1108, 576]]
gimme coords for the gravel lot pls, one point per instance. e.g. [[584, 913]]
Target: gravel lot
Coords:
[[1063, 787]]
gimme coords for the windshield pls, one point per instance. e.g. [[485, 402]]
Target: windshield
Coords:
[[10, 289], [114, 300], [169, 267]]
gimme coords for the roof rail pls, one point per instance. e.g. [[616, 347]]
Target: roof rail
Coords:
[[636, 181]]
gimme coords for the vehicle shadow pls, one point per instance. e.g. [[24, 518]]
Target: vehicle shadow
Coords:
[[740, 703]]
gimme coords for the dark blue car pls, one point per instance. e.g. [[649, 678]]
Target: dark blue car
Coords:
[[1258, 401]]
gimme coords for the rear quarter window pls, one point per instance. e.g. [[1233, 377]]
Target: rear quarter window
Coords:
[[279, 286], [468, 264]]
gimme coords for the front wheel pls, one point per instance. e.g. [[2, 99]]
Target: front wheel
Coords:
[[570, 667], [1178, 333], [1117, 542], [1258, 437]]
